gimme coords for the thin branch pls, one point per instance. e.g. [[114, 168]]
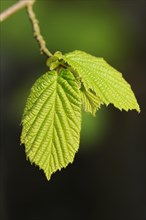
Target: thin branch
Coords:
[[37, 33], [13, 9]]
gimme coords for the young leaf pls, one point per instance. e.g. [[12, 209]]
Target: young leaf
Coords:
[[52, 121], [108, 84], [90, 101]]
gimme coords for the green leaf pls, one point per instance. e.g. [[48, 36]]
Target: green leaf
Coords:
[[90, 101], [52, 121], [97, 75]]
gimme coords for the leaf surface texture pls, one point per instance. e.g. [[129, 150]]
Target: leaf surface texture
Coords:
[[52, 121], [107, 83]]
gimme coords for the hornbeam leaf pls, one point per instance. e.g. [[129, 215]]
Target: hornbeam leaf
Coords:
[[90, 101], [108, 84], [52, 121]]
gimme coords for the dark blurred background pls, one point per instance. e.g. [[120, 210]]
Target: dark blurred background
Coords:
[[107, 179]]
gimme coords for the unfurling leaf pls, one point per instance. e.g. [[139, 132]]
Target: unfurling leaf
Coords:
[[52, 121], [90, 101], [105, 81]]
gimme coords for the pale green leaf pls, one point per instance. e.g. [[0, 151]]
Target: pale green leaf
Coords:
[[90, 101], [52, 121], [97, 75]]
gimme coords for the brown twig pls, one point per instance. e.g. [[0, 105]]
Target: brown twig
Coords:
[[37, 34], [14, 8]]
